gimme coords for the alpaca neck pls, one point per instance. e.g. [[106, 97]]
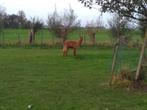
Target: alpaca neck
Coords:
[[80, 41]]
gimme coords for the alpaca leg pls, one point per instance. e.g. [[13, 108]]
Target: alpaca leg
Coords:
[[74, 51], [65, 51]]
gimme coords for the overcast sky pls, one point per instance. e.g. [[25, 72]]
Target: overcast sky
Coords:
[[41, 8]]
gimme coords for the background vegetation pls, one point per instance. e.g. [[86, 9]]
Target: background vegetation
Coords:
[[44, 36], [42, 79]]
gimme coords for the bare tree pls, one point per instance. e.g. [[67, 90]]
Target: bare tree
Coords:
[[21, 18], [91, 30], [35, 25], [99, 23], [92, 27], [62, 24], [2, 17], [118, 25]]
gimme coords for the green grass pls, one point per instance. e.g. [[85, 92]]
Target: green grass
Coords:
[[46, 80]]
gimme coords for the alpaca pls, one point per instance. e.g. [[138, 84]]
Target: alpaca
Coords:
[[71, 44]]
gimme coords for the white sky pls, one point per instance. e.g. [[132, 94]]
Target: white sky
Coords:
[[41, 8]]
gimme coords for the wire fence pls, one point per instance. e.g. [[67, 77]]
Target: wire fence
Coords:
[[44, 37], [20, 37]]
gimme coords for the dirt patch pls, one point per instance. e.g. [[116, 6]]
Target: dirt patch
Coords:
[[139, 86]]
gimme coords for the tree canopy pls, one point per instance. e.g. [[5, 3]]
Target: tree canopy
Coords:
[[135, 9]]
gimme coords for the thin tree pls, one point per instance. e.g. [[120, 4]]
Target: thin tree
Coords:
[[91, 30], [35, 25], [62, 24], [21, 19], [2, 20], [118, 27], [2, 17], [127, 8]]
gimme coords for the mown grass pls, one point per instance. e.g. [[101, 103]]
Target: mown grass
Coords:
[[46, 80]]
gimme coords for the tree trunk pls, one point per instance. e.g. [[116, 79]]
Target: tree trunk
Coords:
[[34, 35], [62, 40], [93, 39], [141, 56], [115, 53], [30, 37]]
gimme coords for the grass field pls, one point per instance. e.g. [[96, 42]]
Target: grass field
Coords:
[[46, 80]]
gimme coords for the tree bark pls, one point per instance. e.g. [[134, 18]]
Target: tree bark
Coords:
[[93, 38], [30, 37], [141, 56], [116, 46]]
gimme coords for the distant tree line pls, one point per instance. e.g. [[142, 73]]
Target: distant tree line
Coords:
[[14, 20], [60, 24]]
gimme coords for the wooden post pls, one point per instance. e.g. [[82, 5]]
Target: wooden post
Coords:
[[141, 56]]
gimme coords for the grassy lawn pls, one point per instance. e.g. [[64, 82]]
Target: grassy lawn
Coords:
[[46, 80]]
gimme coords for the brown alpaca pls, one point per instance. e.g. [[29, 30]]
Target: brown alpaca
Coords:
[[71, 44]]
